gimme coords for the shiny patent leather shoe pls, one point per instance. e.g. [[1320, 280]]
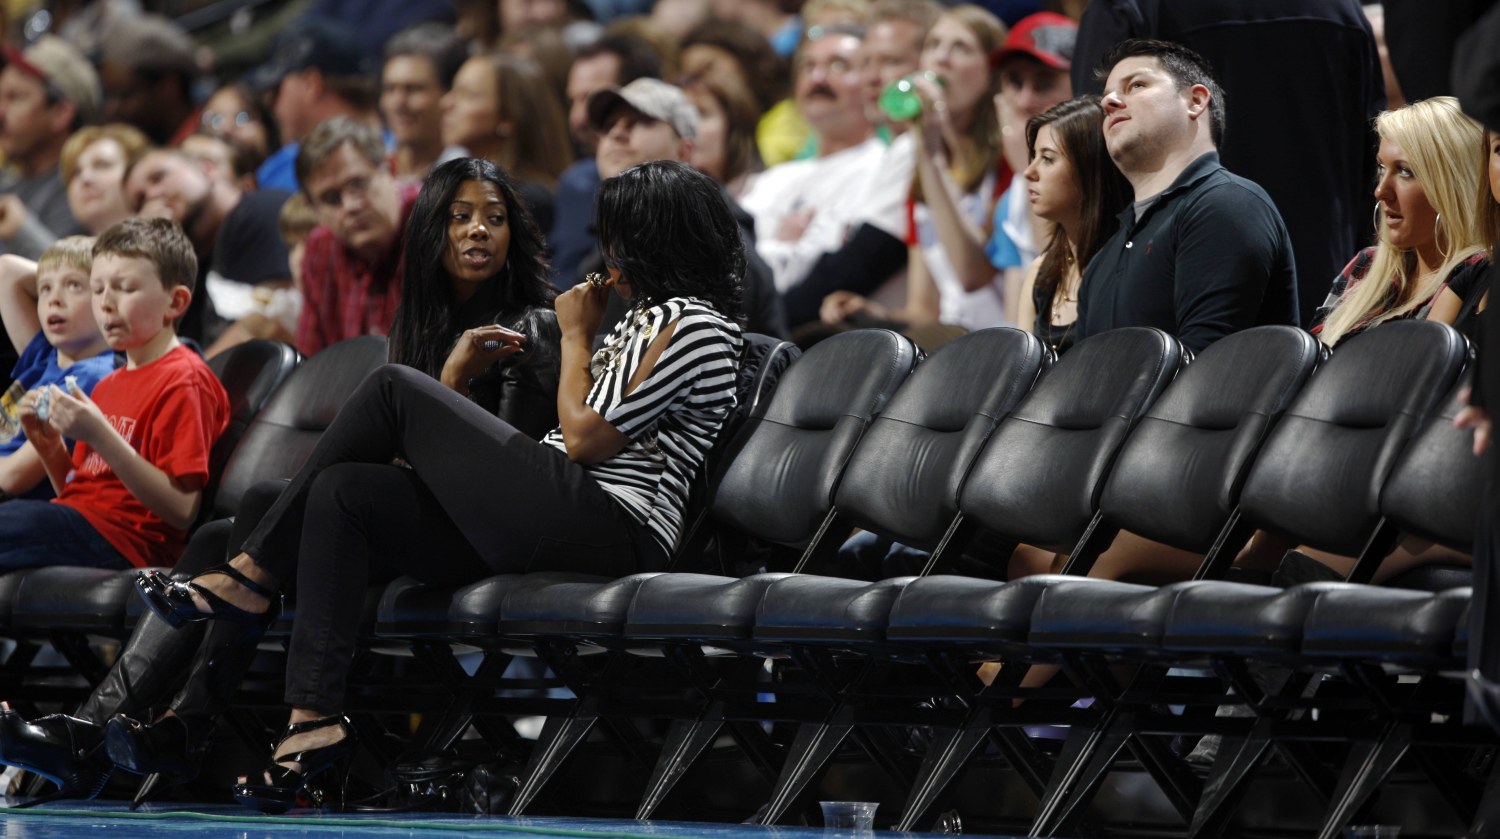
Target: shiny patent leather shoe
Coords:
[[320, 779], [63, 749], [172, 746], [173, 602]]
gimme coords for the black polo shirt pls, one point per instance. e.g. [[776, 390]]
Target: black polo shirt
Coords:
[[1208, 257]]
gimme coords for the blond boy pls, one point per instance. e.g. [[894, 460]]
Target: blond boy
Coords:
[[45, 306]]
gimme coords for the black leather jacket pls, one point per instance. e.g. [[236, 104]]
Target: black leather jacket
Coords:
[[522, 389]]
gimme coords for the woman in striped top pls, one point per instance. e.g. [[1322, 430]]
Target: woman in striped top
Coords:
[[604, 492]]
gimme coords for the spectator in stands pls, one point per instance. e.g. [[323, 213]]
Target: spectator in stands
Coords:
[[1432, 244], [46, 93], [725, 146], [1033, 64], [958, 128], [648, 120], [130, 490], [233, 232], [612, 61], [148, 70], [873, 261], [674, 250], [276, 307], [94, 160], [235, 115], [1214, 257], [317, 71], [350, 284], [420, 64], [46, 307], [448, 313], [806, 208], [501, 109], [1072, 184], [718, 48]]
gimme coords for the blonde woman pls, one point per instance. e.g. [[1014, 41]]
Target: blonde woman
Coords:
[[1429, 218]]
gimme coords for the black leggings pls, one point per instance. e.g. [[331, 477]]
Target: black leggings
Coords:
[[479, 498]]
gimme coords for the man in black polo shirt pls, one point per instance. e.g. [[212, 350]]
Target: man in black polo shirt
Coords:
[[1201, 253]]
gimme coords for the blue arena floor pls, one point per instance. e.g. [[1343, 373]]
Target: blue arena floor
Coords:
[[158, 821]]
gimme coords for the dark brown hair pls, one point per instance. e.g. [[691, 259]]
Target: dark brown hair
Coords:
[[328, 136], [740, 117], [158, 240], [1078, 126]]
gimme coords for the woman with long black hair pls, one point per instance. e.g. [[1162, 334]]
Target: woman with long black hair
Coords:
[[476, 314], [603, 492]]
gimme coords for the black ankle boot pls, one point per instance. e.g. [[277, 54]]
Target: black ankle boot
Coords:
[[172, 747], [63, 749]]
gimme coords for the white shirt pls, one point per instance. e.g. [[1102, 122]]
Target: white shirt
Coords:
[[970, 309], [838, 187]]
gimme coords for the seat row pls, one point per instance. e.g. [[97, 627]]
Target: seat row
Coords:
[[987, 443]]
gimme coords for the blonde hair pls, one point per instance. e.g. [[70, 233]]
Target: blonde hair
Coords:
[[1437, 138], [130, 138], [297, 218], [978, 149], [68, 252]]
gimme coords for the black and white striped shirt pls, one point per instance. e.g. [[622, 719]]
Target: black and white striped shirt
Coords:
[[672, 418]]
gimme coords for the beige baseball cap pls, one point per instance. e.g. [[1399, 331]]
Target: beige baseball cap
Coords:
[[59, 64], [652, 97]]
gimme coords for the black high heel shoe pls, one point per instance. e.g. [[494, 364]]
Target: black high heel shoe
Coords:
[[173, 602], [63, 749], [169, 750], [284, 788]]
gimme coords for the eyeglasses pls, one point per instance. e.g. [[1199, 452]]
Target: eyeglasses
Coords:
[[216, 122]]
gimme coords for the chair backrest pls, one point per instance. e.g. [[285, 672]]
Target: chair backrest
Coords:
[[1178, 477], [903, 478], [781, 470], [251, 373], [1437, 484], [1038, 479], [281, 437], [1318, 478]]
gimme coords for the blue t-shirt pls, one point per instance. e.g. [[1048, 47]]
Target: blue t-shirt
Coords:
[[1002, 252], [38, 367]]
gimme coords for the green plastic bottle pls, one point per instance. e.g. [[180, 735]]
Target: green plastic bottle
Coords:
[[900, 100]]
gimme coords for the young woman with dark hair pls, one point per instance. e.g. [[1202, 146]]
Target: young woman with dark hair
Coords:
[[476, 314], [1072, 183], [502, 341], [603, 492]]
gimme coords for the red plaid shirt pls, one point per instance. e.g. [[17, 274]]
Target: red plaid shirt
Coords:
[[344, 296]]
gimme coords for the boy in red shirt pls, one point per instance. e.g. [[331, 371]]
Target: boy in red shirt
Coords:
[[133, 485]]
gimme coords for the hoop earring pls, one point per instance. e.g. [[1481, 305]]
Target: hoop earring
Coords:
[[1437, 236], [1376, 218]]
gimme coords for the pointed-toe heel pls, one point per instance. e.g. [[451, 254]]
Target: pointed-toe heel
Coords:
[[63, 749], [173, 602]]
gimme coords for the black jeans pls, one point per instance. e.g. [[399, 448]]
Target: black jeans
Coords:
[[475, 498]]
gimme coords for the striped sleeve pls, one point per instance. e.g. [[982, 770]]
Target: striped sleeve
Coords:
[[697, 367]]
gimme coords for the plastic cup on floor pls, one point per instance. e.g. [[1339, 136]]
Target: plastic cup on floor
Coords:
[[849, 817]]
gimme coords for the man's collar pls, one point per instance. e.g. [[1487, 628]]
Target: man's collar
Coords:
[[1202, 166]]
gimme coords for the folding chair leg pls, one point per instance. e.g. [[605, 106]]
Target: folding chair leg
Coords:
[[558, 739], [1236, 762], [1366, 769], [811, 749], [1085, 761], [1171, 774], [945, 759], [1487, 818], [685, 742]]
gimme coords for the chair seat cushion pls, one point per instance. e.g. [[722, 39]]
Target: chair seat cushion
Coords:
[[410, 608], [71, 597], [569, 605], [698, 606], [943, 609], [1385, 624], [1235, 618], [811, 608], [1108, 615]]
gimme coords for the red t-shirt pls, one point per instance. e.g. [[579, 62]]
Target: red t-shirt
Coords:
[[170, 411]]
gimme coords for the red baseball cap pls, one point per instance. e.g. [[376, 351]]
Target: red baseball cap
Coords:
[[1046, 36]]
